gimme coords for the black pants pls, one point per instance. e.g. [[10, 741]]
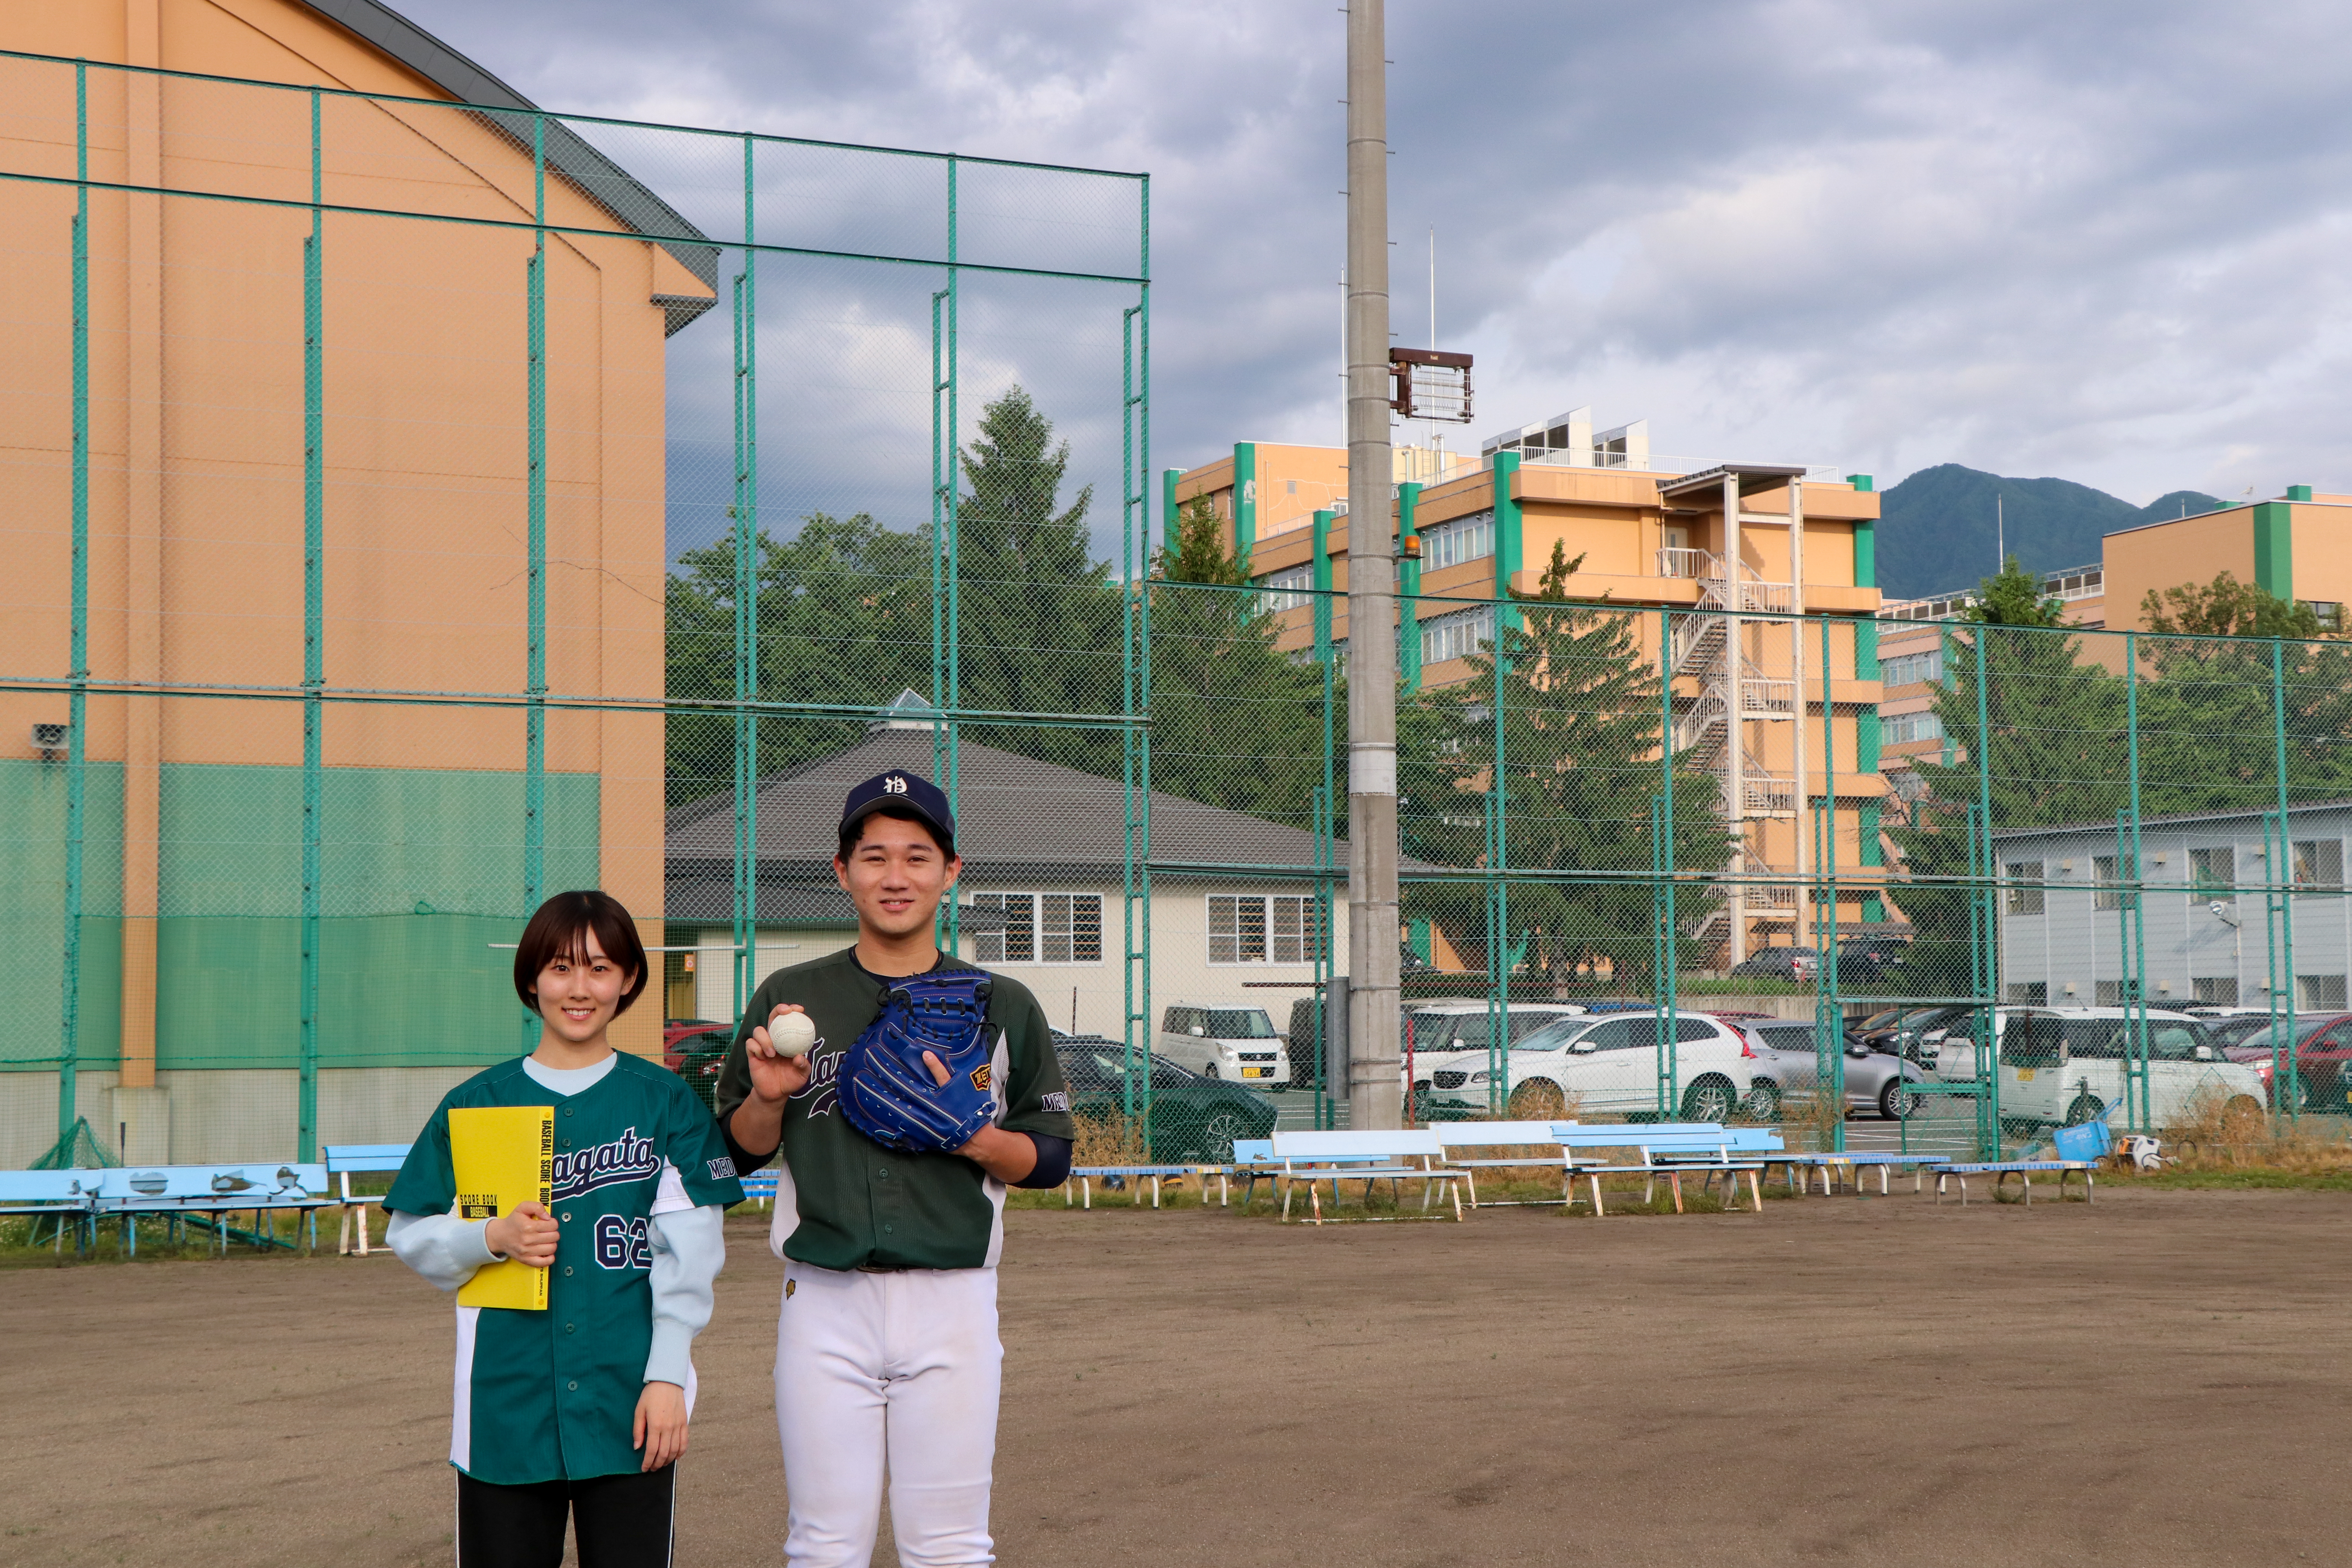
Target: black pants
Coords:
[[618, 1521]]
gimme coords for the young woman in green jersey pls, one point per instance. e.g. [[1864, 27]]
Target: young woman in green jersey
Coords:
[[578, 1410]]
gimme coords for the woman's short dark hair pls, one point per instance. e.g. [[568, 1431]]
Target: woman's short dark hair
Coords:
[[560, 930], [852, 832]]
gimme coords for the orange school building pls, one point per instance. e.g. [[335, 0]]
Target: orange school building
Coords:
[[188, 1012], [1779, 546]]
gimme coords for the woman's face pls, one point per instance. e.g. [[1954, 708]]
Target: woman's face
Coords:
[[580, 992]]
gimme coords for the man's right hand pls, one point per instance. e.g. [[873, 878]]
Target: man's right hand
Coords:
[[527, 1234], [774, 1077]]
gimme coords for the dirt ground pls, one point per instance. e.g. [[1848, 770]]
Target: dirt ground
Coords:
[[2159, 1377]]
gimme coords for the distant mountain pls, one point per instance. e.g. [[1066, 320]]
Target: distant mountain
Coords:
[[1937, 528]]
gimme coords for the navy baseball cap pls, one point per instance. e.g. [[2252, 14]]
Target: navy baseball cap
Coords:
[[911, 791]]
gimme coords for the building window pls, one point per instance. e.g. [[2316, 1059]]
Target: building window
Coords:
[[1457, 635], [2319, 863], [1287, 589], [1255, 928], [2024, 899], [2213, 874], [2107, 993], [2219, 990], [1913, 669], [1464, 539], [2029, 992], [2108, 896], [2319, 994], [1895, 729], [1041, 928]]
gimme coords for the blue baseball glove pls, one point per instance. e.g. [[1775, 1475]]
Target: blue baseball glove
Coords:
[[888, 1092]]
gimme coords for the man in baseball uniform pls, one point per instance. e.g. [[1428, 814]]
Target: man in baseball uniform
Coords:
[[888, 1361], [578, 1410]]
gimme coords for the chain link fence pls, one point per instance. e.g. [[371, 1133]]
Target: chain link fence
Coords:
[[418, 508]]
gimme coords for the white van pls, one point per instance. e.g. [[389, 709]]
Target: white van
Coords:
[[1221, 1040], [1612, 1067], [2065, 1066]]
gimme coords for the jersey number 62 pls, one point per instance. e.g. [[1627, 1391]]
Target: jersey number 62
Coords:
[[621, 1242]]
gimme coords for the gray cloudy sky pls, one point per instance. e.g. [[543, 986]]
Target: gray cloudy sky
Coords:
[[2095, 239]]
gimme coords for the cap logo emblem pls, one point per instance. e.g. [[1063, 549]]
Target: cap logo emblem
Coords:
[[893, 784]]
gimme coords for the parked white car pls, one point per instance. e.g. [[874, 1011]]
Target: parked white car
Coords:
[[2065, 1066], [1611, 1066], [1440, 1036], [1233, 1042]]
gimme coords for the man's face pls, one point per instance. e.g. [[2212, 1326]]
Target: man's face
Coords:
[[896, 877]]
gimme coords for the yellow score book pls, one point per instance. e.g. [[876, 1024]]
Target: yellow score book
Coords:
[[502, 1156]]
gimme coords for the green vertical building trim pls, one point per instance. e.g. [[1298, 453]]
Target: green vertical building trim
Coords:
[[1245, 500], [2298, 493], [1865, 554], [1409, 579], [745, 883], [2274, 547], [1866, 650], [1168, 508], [314, 656], [1508, 543], [78, 654], [1418, 939], [534, 801], [1861, 482]]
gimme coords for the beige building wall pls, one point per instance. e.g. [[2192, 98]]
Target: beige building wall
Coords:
[[197, 431]]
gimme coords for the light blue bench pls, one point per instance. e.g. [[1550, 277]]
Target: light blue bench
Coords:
[[1085, 1177], [65, 1195], [210, 1193], [760, 1186], [1853, 1163], [368, 1158], [2024, 1170], [1669, 1150], [1458, 1137], [1370, 1157]]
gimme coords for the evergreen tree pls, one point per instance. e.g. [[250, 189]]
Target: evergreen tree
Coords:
[[1235, 722], [1582, 732]]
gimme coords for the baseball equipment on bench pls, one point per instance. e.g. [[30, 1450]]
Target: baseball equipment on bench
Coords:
[[886, 1090]]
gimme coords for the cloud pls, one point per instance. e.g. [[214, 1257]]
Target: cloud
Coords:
[[2095, 240]]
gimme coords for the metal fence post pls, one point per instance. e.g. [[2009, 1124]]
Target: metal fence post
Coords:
[[1829, 1016], [2137, 1114], [1984, 928], [534, 780], [78, 655], [314, 658], [2290, 1088], [746, 901]]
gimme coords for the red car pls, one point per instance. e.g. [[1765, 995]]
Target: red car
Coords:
[[2322, 1059], [695, 1049]]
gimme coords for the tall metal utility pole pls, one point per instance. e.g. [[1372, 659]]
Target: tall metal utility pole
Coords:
[[1376, 1098]]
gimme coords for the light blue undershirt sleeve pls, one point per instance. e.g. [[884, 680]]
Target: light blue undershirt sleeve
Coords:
[[690, 1248], [442, 1247]]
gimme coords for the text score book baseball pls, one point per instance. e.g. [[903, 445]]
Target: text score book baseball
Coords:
[[502, 1156]]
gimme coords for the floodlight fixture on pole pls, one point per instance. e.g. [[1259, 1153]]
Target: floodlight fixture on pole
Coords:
[[1375, 1095]]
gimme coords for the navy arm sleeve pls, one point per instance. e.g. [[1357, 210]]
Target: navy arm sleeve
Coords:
[[1053, 1167]]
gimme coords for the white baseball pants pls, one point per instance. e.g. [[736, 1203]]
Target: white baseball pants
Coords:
[[904, 1368]]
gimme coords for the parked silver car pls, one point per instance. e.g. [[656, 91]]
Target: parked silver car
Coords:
[[1875, 1081]]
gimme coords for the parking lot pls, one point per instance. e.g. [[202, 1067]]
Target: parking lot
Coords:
[[2158, 1376]]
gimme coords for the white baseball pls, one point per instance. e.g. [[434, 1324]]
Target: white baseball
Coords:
[[793, 1033]]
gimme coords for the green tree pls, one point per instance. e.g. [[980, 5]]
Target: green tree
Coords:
[[2226, 607], [843, 616], [1235, 722], [2051, 743], [1582, 732]]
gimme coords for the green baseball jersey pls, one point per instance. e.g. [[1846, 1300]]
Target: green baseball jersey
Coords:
[[843, 1200], [551, 1396]]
